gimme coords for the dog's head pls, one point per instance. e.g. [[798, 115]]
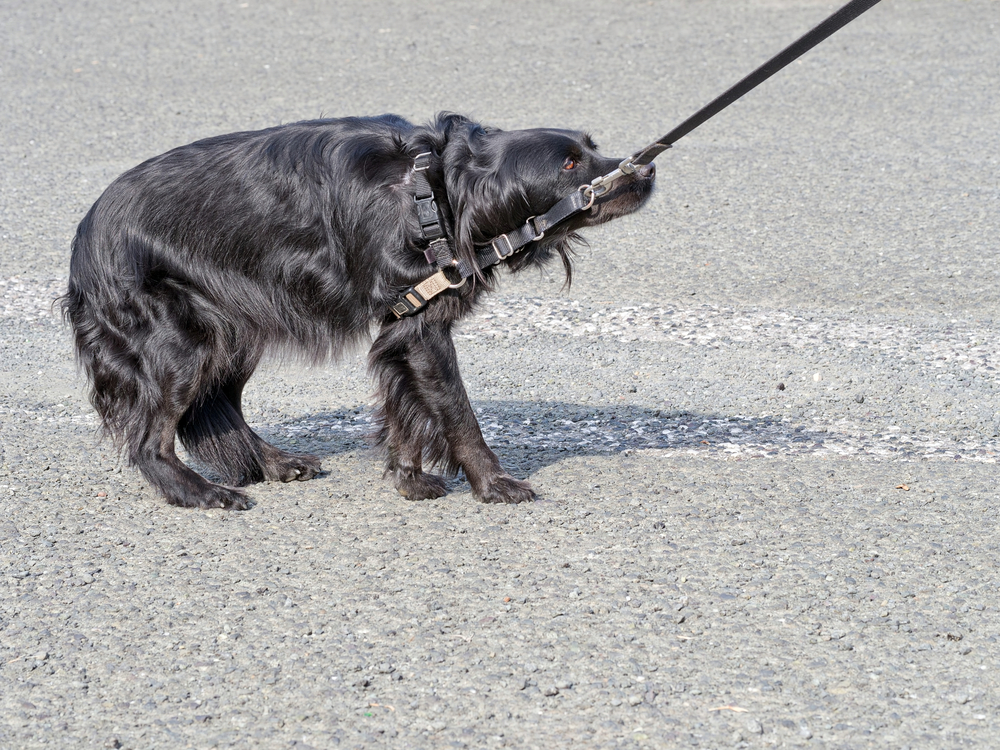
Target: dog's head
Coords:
[[497, 179]]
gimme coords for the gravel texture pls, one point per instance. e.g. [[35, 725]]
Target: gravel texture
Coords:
[[762, 423]]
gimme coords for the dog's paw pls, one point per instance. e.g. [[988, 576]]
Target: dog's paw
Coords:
[[212, 496], [420, 486], [290, 467], [226, 498], [506, 489]]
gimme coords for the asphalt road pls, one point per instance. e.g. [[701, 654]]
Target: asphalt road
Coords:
[[762, 423]]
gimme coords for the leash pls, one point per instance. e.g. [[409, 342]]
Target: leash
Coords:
[[502, 247]]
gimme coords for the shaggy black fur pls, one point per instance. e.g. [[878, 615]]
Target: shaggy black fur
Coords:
[[195, 264]]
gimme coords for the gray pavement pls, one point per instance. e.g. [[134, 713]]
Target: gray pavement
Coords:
[[762, 423]]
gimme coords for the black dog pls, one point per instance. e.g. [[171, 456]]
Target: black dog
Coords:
[[194, 265]]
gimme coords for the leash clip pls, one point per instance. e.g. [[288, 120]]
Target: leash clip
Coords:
[[600, 186]]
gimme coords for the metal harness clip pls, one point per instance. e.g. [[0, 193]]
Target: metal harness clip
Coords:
[[534, 228], [422, 162], [496, 249]]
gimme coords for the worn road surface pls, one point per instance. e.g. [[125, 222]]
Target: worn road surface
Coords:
[[762, 423]]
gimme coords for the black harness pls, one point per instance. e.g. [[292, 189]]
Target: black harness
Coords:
[[438, 252]]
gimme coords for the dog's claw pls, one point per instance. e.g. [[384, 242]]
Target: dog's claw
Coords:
[[213, 496], [291, 468], [238, 501], [226, 498]]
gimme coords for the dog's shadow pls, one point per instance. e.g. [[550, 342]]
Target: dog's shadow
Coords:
[[528, 436]]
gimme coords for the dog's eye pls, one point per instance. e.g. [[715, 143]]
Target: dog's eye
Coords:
[[570, 163]]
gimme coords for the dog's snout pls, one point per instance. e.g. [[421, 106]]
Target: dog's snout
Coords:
[[647, 171]]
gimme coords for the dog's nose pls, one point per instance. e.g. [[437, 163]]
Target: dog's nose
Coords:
[[647, 171]]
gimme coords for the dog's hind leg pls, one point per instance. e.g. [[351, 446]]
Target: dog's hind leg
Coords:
[[153, 421], [213, 429], [143, 376], [155, 458], [143, 414]]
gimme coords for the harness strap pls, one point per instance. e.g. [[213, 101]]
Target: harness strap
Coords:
[[499, 248], [431, 227], [438, 251], [502, 247]]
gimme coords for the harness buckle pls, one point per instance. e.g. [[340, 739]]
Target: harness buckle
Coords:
[[534, 228], [496, 249], [422, 162], [427, 210]]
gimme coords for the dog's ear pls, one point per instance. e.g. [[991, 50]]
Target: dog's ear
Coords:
[[486, 198], [448, 122]]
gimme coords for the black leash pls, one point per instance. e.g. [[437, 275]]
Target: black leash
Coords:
[[502, 247], [791, 53]]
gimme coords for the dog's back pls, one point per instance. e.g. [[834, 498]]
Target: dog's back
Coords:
[[230, 221]]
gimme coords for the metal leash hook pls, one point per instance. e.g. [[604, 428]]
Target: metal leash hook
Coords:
[[600, 186]]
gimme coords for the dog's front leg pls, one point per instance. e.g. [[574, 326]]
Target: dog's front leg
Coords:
[[425, 412]]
